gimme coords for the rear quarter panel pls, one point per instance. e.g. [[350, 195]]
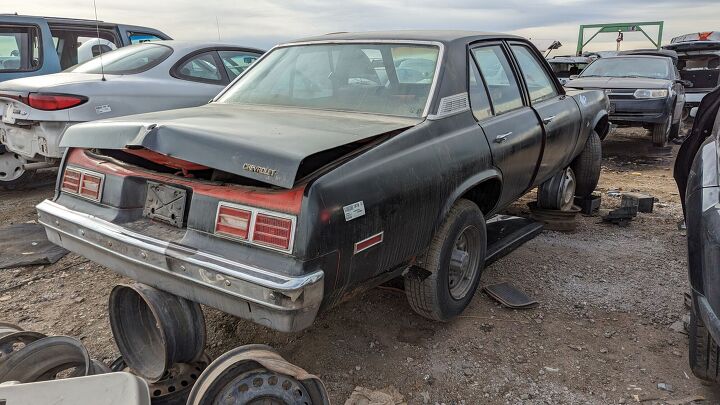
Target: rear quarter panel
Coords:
[[594, 107], [404, 184]]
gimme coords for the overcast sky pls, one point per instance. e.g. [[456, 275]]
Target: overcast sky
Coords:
[[264, 23]]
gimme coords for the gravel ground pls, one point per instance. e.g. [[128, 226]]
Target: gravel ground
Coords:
[[601, 334]]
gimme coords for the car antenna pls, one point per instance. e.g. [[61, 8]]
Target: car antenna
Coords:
[[97, 28], [217, 24]]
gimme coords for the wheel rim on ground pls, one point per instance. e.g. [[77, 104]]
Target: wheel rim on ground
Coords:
[[464, 262], [11, 165], [568, 190], [264, 387]]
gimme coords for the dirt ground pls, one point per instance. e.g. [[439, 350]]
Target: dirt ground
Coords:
[[601, 334]]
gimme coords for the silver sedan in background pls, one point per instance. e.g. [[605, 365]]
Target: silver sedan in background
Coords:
[[146, 77]]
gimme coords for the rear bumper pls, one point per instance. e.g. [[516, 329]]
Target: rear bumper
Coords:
[[35, 142], [285, 303]]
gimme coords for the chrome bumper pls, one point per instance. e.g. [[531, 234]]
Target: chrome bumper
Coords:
[[278, 301]]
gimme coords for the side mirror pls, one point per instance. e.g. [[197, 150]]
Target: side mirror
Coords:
[[573, 77], [693, 112], [685, 83]]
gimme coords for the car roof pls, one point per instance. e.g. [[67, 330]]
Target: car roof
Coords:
[[181, 45], [442, 36]]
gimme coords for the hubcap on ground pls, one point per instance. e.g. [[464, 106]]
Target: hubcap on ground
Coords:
[[464, 262], [264, 387], [568, 190], [11, 165]]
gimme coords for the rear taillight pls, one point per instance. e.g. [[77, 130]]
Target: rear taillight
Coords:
[[233, 222], [53, 102], [84, 183], [260, 227], [272, 231], [71, 181]]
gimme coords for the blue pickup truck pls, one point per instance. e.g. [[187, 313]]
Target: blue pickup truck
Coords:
[[33, 46]]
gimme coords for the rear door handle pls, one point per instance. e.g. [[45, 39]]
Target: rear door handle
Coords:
[[548, 119], [501, 138]]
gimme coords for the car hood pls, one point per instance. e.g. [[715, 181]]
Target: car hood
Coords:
[[40, 83], [264, 143], [617, 83]]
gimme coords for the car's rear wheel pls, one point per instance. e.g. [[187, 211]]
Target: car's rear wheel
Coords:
[[586, 166], [703, 351], [558, 193], [451, 268], [12, 173], [661, 133]]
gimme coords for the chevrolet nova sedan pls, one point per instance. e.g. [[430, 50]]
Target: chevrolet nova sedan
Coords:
[[332, 165]]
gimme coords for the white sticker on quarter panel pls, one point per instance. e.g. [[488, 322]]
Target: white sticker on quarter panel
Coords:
[[354, 210], [102, 109]]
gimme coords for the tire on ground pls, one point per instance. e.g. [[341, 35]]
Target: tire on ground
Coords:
[[430, 294], [703, 351], [661, 133], [587, 166]]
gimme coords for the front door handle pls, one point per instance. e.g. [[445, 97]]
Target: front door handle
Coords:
[[548, 119], [501, 138]]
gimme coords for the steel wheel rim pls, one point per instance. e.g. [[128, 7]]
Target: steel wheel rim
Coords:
[[568, 190], [11, 166], [263, 387], [464, 262]]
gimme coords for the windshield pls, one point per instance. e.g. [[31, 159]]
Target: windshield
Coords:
[[125, 61], [654, 68], [390, 79]]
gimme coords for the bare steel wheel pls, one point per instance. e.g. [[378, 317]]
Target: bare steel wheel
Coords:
[[12, 173], [464, 262], [558, 193]]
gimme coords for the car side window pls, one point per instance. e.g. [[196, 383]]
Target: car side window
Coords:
[[502, 86], [479, 101], [236, 62], [540, 85], [19, 48], [200, 67], [140, 37]]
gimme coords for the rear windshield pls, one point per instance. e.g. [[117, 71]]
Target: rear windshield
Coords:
[[653, 68], [19, 48], [125, 61], [390, 79]]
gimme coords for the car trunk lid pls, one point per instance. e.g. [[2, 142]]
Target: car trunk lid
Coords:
[[263, 143]]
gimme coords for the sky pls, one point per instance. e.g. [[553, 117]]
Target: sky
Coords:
[[263, 23]]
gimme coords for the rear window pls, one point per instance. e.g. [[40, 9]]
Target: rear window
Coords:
[[129, 60], [699, 62], [19, 48]]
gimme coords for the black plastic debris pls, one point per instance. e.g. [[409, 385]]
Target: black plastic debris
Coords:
[[27, 244], [644, 202], [589, 205], [509, 296], [624, 215]]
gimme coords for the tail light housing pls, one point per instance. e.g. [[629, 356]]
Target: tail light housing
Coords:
[[269, 229], [54, 102], [83, 183]]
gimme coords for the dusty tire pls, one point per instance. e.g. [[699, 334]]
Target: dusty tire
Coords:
[[703, 351], [448, 279], [586, 166], [661, 133], [558, 192]]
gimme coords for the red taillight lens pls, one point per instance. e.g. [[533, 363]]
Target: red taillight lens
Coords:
[[273, 231], [52, 102], [71, 181], [83, 183], [233, 222], [90, 186]]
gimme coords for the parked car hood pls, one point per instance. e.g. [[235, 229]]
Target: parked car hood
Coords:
[[617, 83], [264, 143], [40, 83]]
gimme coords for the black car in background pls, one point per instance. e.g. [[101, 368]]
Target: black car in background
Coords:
[[698, 178], [644, 90]]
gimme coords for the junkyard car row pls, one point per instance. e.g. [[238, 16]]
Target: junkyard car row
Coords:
[[327, 166]]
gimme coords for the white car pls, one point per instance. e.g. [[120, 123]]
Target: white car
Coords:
[[146, 77]]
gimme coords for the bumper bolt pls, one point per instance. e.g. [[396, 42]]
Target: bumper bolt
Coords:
[[183, 268], [227, 283], [82, 232], [143, 255]]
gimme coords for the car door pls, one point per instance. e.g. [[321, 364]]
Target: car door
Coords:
[[559, 114], [511, 127]]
